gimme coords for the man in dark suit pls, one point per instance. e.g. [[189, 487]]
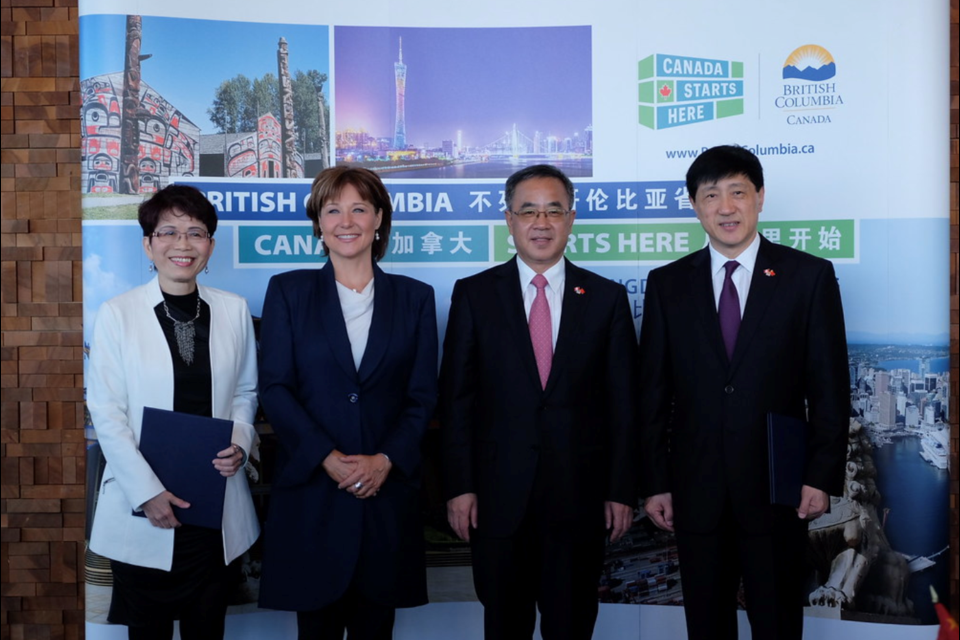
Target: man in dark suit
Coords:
[[538, 421], [730, 333]]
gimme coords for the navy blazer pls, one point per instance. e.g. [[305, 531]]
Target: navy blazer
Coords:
[[703, 415], [318, 538], [500, 429]]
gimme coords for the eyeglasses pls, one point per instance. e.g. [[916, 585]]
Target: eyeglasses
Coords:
[[194, 236], [531, 213]]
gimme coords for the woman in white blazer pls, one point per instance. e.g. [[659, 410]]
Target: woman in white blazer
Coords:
[[171, 344]]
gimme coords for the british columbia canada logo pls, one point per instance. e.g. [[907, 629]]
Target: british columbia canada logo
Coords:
[[809, 92]]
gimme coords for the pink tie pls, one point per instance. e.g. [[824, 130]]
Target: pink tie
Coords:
[[541, 330]]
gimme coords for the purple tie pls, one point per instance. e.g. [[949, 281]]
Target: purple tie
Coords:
[[729, 309], [541, 330]]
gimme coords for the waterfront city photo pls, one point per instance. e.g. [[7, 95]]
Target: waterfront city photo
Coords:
[[421, 103]]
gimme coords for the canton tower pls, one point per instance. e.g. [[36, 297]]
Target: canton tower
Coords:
[[400, 131]]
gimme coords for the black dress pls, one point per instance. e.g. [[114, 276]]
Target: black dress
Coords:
[[198, 579]]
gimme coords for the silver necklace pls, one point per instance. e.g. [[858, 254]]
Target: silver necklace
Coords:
[[184, 332]]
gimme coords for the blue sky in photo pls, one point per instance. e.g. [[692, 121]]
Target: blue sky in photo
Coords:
[[190, 58]]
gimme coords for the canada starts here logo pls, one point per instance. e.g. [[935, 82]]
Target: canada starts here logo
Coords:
[[809, 91], [678, 90]]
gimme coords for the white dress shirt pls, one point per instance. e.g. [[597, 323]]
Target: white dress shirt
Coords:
[[555, 275], [741, 276]]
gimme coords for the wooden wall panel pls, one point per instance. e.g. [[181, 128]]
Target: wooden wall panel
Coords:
[[41, 387]]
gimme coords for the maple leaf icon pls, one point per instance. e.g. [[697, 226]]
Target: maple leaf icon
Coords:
[[665, 91]]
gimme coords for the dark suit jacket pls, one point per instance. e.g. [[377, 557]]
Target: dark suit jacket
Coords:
[[703, 416], [498, 424], [317, 536]]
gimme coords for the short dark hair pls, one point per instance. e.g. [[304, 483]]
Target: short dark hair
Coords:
[[330, 182], [179, 200], [537, 171], [722, 162]]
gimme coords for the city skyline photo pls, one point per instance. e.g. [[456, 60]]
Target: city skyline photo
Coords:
[[509, 96]]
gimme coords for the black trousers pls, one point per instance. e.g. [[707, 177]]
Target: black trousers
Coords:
[[772, 567], [360, 617], [554, 567], [195, 591]]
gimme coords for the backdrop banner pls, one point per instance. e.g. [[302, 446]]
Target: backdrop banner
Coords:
[[248, 101]]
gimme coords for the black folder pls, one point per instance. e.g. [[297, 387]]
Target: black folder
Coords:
[[180, 448], [787, 446]]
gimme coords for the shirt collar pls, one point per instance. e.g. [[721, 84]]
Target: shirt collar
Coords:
[[747, 257], [555, 275]]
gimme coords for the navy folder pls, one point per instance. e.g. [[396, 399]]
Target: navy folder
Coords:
[[787, 446], [180, 448]]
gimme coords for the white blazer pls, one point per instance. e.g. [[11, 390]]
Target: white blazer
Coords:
[[131, 368]]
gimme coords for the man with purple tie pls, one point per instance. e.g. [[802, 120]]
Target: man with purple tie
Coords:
[[537, 396], [731, 333]]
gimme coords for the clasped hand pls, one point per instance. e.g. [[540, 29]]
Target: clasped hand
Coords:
[[359, 475]]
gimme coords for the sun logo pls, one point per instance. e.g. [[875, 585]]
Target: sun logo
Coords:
[[809, 62]]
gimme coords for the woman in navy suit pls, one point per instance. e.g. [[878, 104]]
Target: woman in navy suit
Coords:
[[348, 381]]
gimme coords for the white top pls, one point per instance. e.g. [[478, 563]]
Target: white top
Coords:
[[741, 276], [131, 368], [357, 307], [556, 276]]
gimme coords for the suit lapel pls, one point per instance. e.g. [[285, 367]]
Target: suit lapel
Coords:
[[704, 300], [511, 301], [379, 336], [763, 284], [331, 321], [575, 299]]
